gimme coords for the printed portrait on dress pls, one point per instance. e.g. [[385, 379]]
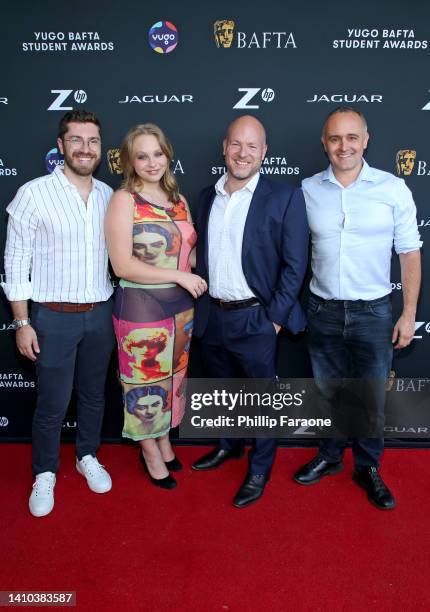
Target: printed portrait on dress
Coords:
[[145, 350], [147, 408], [157, 244]]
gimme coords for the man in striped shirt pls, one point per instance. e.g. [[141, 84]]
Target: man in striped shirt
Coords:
[[56, 257]]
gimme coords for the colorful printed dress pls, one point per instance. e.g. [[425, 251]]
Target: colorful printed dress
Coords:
[[153, 323]]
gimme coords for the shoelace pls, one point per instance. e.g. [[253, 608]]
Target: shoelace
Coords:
[[377, 480], [43, 484], [93, 466]]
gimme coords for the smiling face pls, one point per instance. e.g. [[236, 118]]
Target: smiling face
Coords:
[[345, 139], [149, 161], [244, 148], [81, 147]]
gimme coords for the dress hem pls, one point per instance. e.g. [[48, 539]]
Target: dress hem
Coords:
[[147, 437]]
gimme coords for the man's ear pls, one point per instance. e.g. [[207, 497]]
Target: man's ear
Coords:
[[60, 146], [366, 140], [264, 152], [323, 143]]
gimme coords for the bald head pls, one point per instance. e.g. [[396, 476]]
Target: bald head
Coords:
[[244, 149], [247, 123], [345, 110]]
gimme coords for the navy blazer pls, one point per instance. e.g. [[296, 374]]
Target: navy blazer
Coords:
[[274, 252]]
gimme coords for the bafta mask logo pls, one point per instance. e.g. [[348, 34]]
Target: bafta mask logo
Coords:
[[223, 32], [405, 161], [390, 381], [114, 161]]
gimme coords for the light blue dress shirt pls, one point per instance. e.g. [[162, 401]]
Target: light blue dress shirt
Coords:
[[353, 230]]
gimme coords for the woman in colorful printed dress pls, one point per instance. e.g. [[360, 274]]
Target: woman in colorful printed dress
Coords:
[[151, 246]]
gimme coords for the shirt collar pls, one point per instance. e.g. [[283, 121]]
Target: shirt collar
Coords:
[[366, 174], [250, 185], [59, 172]]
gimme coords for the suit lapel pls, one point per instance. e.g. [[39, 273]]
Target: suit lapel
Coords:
[[255, 216], [205, 224]]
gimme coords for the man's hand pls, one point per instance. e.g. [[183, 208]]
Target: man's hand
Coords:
[[26, 341], [403, 331], [277, 327]]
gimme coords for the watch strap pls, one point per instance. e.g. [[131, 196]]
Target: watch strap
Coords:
[[18, 323]]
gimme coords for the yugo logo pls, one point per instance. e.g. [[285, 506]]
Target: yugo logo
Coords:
[[163, 37], [53, 159], [267, 95], [79, 96], [4, 421]]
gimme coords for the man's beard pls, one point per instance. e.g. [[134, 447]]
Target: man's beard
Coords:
[[73, 164]]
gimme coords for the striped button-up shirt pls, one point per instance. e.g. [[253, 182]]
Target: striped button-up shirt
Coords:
[[55, 247]]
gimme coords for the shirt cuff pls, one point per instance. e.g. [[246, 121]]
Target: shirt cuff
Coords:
[[407, 248], [17, 292]]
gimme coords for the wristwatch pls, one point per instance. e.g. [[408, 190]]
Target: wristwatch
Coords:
[[17, 323]]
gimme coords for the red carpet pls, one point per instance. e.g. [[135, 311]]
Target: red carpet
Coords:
[[299, 548]]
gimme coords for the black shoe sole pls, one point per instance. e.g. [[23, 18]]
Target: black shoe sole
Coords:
[[372, 501], [331, 472], [248, 503]]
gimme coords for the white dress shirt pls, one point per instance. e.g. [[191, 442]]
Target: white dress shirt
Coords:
[[55, 247], [225, 234], [353, 229]]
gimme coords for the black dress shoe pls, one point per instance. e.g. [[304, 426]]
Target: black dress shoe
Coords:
[[312, 472], [378, 493], [216, 457], [174, 465], [251, 490], [168, 482]]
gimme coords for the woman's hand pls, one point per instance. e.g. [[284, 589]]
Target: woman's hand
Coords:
[[193, 283]]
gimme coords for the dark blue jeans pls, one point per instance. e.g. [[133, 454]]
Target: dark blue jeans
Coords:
[[352, 340], [75, 350]]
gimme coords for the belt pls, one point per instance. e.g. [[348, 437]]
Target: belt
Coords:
[[235, 304], [70, 306]]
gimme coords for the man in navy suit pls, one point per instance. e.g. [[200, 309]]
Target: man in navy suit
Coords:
[[252, 250]]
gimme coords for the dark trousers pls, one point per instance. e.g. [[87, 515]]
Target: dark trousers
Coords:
[[352, 340], [243, 340], [75, 350]]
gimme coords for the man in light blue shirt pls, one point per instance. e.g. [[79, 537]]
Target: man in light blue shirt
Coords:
[[356, 213]]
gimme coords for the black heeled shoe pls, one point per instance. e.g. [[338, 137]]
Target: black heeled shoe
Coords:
[[174, 465], [165, 483]]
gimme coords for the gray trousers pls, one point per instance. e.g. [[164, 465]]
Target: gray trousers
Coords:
[[75, 350]]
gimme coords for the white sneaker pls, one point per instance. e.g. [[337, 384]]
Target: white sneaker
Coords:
[[97, 477], [41, 499]]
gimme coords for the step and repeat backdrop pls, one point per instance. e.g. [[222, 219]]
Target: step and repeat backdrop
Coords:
[[192, 68]]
